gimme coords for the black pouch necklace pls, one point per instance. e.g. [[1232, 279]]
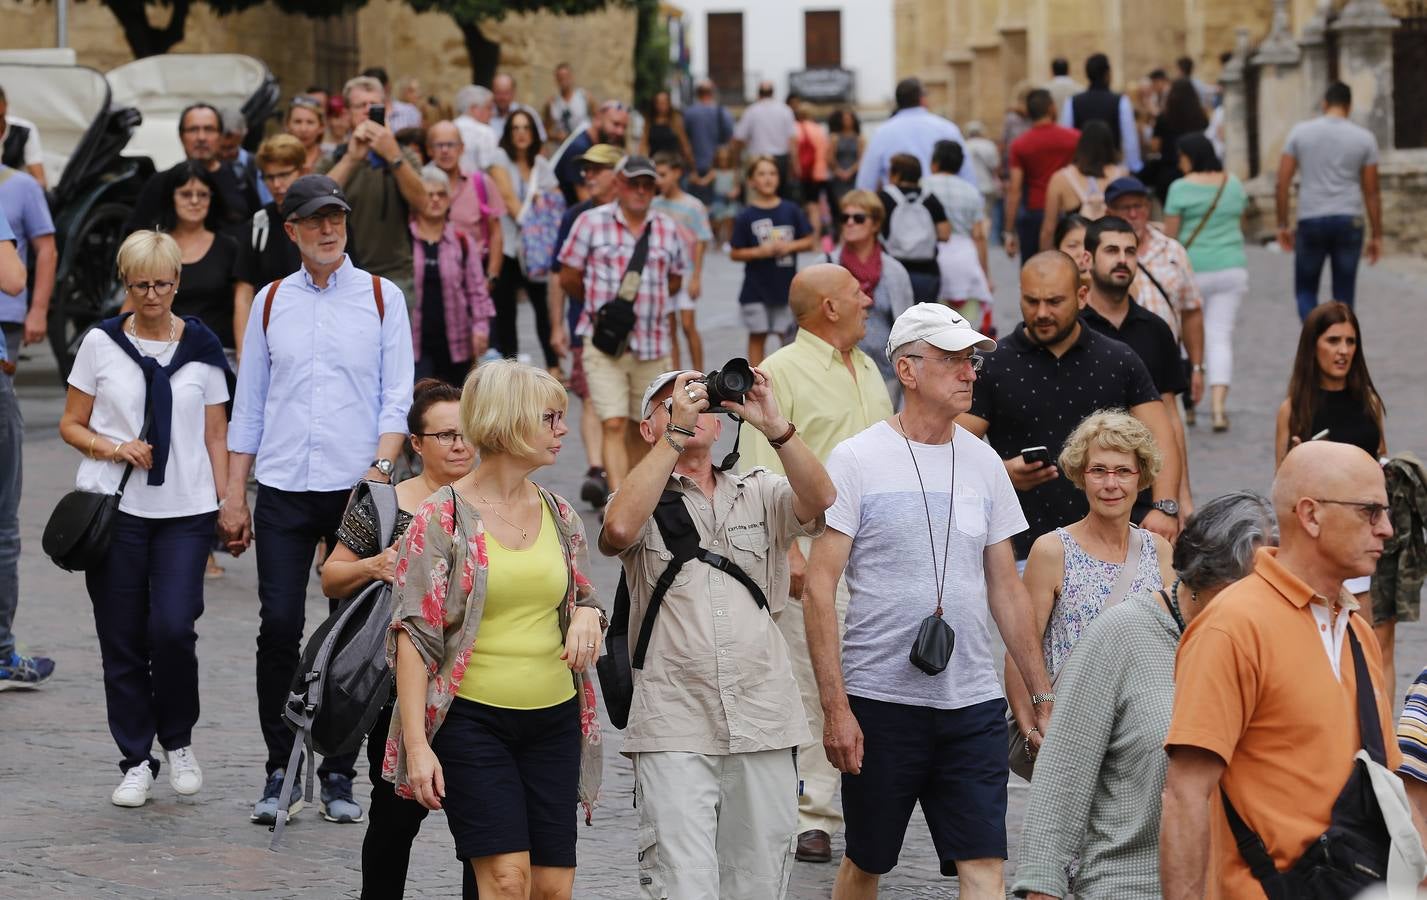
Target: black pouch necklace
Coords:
[[931, 651]]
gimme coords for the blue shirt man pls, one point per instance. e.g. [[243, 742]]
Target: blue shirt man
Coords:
[[27, 216], [324, 387], [913, 129]]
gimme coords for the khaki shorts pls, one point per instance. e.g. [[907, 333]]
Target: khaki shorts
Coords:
[[617, 385]]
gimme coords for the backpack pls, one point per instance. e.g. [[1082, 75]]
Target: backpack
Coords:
[[342, 680], [681, 538], [911, 233], [1090, 191]]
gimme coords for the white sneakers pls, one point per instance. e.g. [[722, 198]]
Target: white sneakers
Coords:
[[138, 784], [136, 788], [183, 771]]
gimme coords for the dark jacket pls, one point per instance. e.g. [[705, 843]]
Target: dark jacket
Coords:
[[1403, 566]]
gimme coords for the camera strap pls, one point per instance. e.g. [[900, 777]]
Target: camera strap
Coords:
[[938, 573]]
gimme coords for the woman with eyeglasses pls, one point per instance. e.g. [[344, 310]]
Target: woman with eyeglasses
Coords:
[[879, 275], [147, 390], [494, 627], [1072, 573], [1331, 397], [307, 122], [434, 423], [450, 323]]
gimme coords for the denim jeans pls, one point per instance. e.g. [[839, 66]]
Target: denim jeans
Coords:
[[147, 596], [1028, 232], [1338, 240], [12, 430]]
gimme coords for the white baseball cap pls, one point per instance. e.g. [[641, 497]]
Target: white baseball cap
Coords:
[[646, 406], [938, 325]]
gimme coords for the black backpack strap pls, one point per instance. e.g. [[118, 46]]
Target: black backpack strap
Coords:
[[1369, 726], [1255, 854]]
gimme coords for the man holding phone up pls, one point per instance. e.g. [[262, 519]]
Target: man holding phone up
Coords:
[[1042, 380], [381, 183]]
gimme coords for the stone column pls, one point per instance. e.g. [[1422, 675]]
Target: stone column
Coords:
[[1364, 30], [1236, 112], [1314, 45], [1280, 100]]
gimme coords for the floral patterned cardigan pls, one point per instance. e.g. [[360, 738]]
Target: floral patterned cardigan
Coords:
[[438, 600]]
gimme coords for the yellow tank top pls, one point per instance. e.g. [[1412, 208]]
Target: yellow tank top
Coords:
[[516, 663]]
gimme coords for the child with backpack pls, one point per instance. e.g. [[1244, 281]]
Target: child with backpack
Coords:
[[768, 235], [916, 223], [965, 273]]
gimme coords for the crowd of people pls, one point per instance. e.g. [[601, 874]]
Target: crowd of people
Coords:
[[340, 308]]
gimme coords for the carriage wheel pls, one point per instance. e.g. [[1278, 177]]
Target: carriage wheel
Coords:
[[91, 288]]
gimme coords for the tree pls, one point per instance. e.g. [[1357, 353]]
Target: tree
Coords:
[[469, 14], [148, 40]]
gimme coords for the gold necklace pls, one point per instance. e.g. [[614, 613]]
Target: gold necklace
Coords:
[[524, 534]]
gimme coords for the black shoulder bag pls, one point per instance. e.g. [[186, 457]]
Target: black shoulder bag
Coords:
[[681, 538], [1352, 854], [77, 534], [614, 321]]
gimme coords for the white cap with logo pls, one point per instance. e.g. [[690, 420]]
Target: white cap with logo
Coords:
[[646, 406], [938, 325]]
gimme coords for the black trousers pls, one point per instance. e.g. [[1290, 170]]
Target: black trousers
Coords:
[[147, 595], [286, 528], [392, 826], [507, 306]]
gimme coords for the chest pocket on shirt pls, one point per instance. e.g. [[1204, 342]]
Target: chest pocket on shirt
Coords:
[[970, 515], [748, 548]]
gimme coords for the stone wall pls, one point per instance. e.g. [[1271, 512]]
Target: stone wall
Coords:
[[388, 33]]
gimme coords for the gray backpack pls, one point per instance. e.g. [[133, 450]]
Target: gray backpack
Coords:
[[911, 233]]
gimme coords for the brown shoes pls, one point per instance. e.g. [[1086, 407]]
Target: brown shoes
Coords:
[[814, 846]]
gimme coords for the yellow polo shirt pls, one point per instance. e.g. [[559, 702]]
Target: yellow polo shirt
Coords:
[[816, 392]]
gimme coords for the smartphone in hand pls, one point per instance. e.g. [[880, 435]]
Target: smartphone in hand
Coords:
[[1034, 455]]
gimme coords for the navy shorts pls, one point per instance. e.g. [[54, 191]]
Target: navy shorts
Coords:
[[952, 761], [512, 780]]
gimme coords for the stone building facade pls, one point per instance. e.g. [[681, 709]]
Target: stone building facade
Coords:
[[302, 51]]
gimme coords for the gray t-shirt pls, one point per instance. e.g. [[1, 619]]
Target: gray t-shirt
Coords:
[[890, 573], [1331, 152]]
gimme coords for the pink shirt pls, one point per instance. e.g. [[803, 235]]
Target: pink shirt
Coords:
[[471, 214]]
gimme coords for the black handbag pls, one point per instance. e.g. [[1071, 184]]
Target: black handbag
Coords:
[[77, 534], [614, 321], [931, 651]]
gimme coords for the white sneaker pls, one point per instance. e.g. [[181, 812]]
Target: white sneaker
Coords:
[[136, 788], [183, 771]]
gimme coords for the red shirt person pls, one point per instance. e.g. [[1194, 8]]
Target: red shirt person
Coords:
[[1035, 157]]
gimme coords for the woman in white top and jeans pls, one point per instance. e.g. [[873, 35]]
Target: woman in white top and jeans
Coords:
[[148, 592]]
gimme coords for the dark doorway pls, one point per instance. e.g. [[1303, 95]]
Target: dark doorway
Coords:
[[725, 55], [822, 39]]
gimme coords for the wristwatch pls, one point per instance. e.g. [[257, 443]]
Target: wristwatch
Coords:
[[384, 466], [1168, 507]]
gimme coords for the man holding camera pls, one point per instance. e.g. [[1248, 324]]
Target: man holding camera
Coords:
[[624, 261], [715, 718]]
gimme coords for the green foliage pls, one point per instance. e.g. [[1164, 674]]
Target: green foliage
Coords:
[[470, 11], [651, 53]]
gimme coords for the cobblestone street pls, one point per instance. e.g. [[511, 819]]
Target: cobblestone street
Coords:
[[61, 836]]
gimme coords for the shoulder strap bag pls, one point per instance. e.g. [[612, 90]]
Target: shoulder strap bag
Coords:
[[1018, 745], [1159, 287], [78, 532], [614, 321], [1209, 212]]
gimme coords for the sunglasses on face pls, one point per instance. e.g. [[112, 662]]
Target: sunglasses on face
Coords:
[[1374, 512], [854, 218]]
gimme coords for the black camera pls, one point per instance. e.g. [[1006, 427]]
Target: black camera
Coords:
[[731, 382]]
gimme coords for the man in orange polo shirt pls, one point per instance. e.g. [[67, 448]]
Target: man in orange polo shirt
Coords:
[[1265, 701]]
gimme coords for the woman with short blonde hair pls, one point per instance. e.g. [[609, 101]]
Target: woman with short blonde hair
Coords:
[[1076, 572], [500, 731], [145, 411]]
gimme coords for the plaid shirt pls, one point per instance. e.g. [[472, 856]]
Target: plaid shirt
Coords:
[[600, 244], [1168, 262]]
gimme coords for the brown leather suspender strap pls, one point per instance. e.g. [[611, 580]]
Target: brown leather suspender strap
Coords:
[[272, 291]]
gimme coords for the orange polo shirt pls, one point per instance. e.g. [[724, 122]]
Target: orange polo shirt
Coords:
[[1254, 686]]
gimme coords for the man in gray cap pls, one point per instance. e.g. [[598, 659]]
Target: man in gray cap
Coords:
[[907, 720], [715, 720], [321, 403]]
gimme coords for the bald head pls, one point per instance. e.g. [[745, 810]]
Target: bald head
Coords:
[[1331, 501], [813, 284], [1048, 266], [1325, 469]]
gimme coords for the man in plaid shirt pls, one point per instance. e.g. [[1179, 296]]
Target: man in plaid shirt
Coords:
[[593, 262]]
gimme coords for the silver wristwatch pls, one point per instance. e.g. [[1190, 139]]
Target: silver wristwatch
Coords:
[[384, 466]]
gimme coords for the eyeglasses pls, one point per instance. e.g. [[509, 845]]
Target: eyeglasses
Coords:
[[334, 218], [194, 196], [142, 288], [1119, 473], [437, 146], [1374, 511], [855, 218], [444, 438], [643, 185], [275, 177], [975, 359], [552, 419]]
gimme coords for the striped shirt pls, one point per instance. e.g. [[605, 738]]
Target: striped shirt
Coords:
[[600, 244], [1096, 791], [1412, 731]]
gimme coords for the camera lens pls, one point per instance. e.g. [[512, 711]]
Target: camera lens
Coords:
[[731, 382]]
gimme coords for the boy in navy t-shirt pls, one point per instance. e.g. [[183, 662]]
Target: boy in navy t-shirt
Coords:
[[767, 236]]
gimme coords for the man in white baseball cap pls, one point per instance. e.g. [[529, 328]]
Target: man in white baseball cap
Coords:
[[907, 719]]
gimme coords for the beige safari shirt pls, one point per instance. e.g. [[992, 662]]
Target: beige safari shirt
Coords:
[[716, 678]]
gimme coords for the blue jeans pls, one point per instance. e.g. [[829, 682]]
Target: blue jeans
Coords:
[[1339, 241], [996, 207], [12, 430], [147, 595], [1028, 231]]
